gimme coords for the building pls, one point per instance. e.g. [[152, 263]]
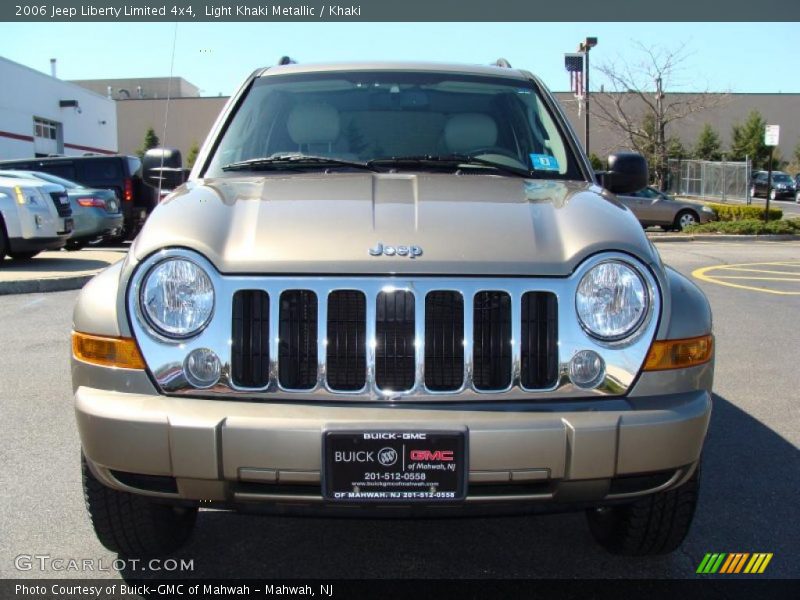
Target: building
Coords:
[[42, 115], [141, 87]]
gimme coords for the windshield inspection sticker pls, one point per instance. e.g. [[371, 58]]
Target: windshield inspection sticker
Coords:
[[544, 162]]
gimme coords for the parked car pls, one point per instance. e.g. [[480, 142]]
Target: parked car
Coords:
[[653, 207], [392, 289], [119, 173], [29, 220], [96, 213], [783, 186]]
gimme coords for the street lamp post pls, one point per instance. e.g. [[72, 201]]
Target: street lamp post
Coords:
[[585, 46]]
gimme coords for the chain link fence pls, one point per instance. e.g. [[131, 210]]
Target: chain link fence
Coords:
[[708, 179]]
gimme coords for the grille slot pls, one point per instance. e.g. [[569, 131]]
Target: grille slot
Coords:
[[444, 341], [297, 348], [539, 368], [395, 355], [492, 341], [63, 208], [250, 346], [347, 340]]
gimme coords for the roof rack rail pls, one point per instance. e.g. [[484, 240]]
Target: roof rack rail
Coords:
[[286, 60], [502, 62]]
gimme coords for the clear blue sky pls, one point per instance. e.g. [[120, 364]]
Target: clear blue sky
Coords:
[[737, 57]]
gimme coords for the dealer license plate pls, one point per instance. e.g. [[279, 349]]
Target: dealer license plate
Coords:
[[407, 466]]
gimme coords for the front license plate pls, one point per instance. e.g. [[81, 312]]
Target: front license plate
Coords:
[[406, 466]]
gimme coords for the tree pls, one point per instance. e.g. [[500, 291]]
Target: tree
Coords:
[[708, 145], [193, 152], [636, 106], [597, 163], [150, 141], [747, 141]]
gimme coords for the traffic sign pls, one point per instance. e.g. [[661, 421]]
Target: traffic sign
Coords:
[[772, 134]]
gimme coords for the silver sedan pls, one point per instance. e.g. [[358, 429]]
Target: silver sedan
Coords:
[[653, 207]]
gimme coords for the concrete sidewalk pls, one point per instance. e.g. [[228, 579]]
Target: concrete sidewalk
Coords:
[[54, 271]]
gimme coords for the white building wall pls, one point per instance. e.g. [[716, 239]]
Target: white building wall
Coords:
[[26, 93]]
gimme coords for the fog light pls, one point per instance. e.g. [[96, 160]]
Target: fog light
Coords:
[[202, 368], [587, 369]]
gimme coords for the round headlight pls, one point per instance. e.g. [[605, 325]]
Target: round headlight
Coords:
[[612, 301], [177, 298]]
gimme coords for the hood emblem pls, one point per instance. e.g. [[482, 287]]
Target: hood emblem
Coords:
[[410, 251]]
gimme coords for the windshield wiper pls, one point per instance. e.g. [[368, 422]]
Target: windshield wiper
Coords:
[[294, 161], [450, 161]]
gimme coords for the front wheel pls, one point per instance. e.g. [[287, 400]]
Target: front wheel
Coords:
[[132, 525], [655, 524], [684, 219], [73, 246]]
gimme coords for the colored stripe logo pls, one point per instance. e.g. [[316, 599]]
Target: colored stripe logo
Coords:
[[734, 562]]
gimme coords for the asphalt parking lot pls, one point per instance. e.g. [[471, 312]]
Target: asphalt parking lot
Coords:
[[749, 482]]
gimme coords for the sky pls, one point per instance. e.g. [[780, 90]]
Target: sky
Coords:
[[216, 57]]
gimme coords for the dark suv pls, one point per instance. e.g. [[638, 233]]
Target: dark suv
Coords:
[[783, 186], [119, 173]]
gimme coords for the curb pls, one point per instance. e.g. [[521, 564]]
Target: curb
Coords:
[[54, 284], [710, 237]]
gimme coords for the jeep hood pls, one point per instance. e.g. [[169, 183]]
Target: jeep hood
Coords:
[[325, 223]]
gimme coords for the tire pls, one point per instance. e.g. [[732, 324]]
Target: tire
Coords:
[[132, 525], [23, 255], [3, 241], [655, 524], [72, 246], [685, 218]]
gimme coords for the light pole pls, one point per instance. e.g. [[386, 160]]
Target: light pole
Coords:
[[585, 46]]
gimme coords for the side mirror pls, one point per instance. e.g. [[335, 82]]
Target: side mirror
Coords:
[[627, 172], [163, 166]]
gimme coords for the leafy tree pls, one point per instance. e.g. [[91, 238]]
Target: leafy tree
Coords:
[[193, 152], [597, 163], [150, 141], [747, 140], [708, 145]]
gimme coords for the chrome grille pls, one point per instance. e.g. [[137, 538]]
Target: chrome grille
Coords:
[[396, 321]]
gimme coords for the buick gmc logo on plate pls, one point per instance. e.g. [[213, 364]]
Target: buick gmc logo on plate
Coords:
[[381, 250]]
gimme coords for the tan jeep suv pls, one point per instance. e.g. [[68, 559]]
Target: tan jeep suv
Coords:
[[392, 289]]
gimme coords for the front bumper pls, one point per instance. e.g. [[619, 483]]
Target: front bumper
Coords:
[[235, 452]]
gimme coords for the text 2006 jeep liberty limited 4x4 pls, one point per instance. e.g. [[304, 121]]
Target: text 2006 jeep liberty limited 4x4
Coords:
[[392, 289]]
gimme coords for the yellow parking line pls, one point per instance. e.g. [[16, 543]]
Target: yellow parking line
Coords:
[[757, 278], [703, 274], [761, 271]]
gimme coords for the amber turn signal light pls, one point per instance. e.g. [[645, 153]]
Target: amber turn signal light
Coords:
[[106, 351], [679, 354]]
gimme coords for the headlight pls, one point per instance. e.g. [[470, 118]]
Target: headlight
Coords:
[[177, 298], [612, 301]]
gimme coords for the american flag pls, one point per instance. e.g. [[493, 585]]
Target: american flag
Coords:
[[574, 65]]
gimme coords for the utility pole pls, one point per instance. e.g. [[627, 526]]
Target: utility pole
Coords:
[[661, 143]]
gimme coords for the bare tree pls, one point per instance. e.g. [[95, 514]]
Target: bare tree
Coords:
[[634, 103]]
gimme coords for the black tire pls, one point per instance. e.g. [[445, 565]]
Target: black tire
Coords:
[[132, 525], [72, 246], [685, 218], [3, 240], [23, 255], [655, 524]]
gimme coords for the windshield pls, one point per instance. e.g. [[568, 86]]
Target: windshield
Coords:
[[781, 177], [375, 116]]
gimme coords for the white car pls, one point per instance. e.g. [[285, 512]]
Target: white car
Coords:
[[29, 220]]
